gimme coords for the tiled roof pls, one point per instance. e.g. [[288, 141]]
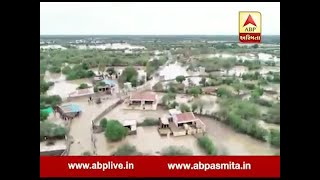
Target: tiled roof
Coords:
[[144, 96], [187, 116]]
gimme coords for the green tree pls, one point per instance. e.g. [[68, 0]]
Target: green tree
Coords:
[[85, 66], [176, 151], [129, 74], [115, 131], [180, 79], [184, 108]]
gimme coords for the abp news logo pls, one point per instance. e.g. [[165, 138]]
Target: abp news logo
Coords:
[[250, 27]]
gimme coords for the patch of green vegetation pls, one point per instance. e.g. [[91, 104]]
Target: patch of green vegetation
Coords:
[[115, 131], [126, 150], [83, 86], [149, 122], [129, 74], [46, 101], [207, 144], [50, 130], [194, 91], [274, 137], [184, 108], [176, 151]]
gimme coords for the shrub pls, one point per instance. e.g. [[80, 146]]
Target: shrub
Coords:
[[195, 91], [115, 131], [249, 86], [83, 86], [66, 70], [158, 87], [126, 150], [86, 153], [206, 143], [149, 122], [194, 107], [55, 69], [173, 105], [263, 102], [274, 137], [224, 92], [180, 79], [176, 151]]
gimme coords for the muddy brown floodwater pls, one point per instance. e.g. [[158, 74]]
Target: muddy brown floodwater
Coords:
[[148, 140], [80, 130], [234, 143], [62, 87]]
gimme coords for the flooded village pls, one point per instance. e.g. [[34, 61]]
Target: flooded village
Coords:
[[143, 96]]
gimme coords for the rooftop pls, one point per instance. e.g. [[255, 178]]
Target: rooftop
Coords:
[[147, 96], [109, 82], [82, 92], [174, 111], [184, 117], [164, 121], [70, 108], [129, 122]]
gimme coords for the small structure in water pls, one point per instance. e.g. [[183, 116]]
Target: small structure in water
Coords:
[[143, 101], [163, 128], [68, 111], [82, 93], [106, 86], [131, 125], [184, 123]]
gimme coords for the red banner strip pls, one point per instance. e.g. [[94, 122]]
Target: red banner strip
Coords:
[[160, 166]]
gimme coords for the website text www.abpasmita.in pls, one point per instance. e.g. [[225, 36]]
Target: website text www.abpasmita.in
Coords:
[[171, 166], [209, 166]]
